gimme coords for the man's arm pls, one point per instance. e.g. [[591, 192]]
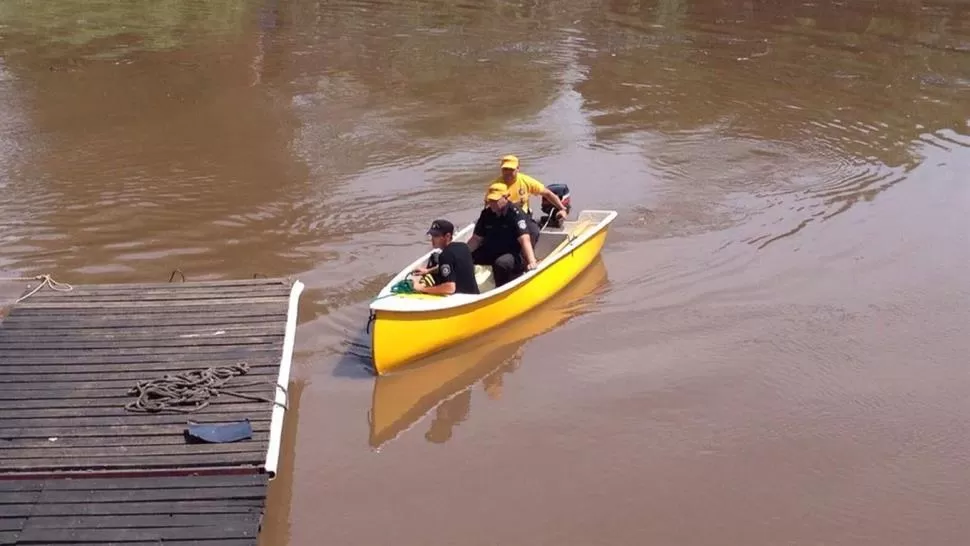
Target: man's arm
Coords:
[[554, 199], [474, 242], [443, 289], [446, 276], [525, 240], [478, 233], [526, 243], [421, 271], [538, 188]]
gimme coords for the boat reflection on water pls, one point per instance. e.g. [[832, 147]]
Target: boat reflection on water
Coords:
[[443, 382]]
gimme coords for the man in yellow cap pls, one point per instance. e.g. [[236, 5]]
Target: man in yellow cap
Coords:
[[502, 238], [522, 186]]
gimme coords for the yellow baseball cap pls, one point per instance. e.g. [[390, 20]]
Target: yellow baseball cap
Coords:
[[510, 162], [497, 191]]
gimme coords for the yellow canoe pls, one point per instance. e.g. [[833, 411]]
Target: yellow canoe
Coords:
[[405, 327], [444, 380]]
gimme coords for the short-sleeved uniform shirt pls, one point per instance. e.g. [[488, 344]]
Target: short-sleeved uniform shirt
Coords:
[[502, 231], [455, 265], [521, 188]]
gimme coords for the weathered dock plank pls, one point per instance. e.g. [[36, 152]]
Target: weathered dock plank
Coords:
[[233, 354], [22, 425], [212, 321], [97, 332], [207, 510], [169, 312], [68, 360], [66, 305]]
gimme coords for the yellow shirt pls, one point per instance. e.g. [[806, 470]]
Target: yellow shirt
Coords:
[[520, 190]]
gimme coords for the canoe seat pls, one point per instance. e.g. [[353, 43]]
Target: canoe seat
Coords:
[[483, 276]]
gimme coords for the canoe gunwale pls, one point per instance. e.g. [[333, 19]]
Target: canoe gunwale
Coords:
[[387, 303]]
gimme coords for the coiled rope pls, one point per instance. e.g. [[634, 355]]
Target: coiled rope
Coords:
[[46, 280], [406, 286], [190, 391]]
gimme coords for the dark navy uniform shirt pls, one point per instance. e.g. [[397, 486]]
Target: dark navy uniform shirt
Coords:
[[455, 265], [502, 231]]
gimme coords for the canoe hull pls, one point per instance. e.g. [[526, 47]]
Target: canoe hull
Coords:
[[401, 400], [399, 337]]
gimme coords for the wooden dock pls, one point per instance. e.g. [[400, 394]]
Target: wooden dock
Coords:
[[158, 510], [69, 361]]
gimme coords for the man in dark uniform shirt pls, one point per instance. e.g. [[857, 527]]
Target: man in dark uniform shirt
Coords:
[[502, 238], [455, 271]]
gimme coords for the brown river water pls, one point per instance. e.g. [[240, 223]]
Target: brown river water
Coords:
[[771, 350]]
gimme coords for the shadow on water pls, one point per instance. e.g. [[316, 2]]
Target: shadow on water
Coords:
[[355, 360], [443, 382], [276, 520]]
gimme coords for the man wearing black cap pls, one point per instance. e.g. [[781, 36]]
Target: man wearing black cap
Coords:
[[455, 271]]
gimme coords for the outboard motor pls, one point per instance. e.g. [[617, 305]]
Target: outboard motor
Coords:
[[549, 217]]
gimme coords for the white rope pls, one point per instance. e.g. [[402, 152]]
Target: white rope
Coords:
[[47, 281]]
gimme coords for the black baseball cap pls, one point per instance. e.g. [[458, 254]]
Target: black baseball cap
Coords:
[[441, 227]]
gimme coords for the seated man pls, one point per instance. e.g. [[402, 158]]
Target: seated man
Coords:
[[454, 271], [522, 187], [502, 238]]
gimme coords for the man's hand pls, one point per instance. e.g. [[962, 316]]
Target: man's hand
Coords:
[[531, 265], [421, 271], [561, 214]]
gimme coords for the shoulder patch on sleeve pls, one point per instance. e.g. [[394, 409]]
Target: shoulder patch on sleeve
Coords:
[[445, 270], [521, 224]]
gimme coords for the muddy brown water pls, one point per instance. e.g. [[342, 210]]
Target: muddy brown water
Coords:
[[771, 350]]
